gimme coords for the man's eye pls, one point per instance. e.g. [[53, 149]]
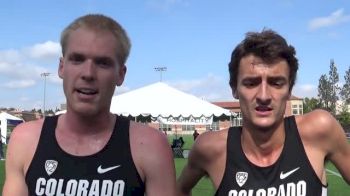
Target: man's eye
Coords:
[[277, 83], [102, 62], [76, 59], [249, 84]]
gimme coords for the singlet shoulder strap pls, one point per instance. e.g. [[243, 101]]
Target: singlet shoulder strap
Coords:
[[121, 129], [47, 135]]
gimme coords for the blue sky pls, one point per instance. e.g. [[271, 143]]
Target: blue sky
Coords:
[[192, 38]]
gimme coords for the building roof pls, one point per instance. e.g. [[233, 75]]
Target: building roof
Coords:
[[235, 104], [292, 97], [227, 104]]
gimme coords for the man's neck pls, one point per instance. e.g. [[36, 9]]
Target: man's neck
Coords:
[[87, 124], [263, 146], [83, 136]]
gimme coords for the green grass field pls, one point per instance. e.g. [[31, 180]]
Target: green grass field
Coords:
[[336, 185], [2, 175]]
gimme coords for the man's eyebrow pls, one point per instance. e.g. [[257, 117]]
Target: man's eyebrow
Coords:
[[103, 58], [251, 78], [74, 54], [277, 78]]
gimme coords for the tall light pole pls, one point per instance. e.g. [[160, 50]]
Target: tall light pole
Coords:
[[160, 69], [45, 74]]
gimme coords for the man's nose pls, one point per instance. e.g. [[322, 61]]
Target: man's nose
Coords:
[[264, 93], [88, 70]]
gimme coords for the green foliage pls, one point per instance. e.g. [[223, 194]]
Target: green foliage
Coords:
[[344, 117], [310, 104], [328, 89], [324, 91], [345, 91], [333, 80]]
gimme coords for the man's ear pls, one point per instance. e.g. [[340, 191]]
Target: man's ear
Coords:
[[234, 93], [60, 68], [121, 75]]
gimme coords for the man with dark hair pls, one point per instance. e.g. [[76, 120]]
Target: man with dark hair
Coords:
[[88, 150], [270, 154]]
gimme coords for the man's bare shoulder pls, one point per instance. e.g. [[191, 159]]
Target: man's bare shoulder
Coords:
[[22, 144], [27, 131], [211, 144], [147, 136], [318, 122], [150, 150]]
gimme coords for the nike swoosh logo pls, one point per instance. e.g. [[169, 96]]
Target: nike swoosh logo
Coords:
[[101, 170], [285, 175]]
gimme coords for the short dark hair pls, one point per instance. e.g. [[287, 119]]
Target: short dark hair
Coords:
[[267, 45]]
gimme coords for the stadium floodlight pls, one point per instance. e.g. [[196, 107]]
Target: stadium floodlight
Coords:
[[160, 69], [45, 74]]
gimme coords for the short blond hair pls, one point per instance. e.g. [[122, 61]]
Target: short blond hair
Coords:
[[98, 22]]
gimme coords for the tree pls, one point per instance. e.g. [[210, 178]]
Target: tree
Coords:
[[324, 92], [334, 87], [345, 91], [328, 88], [344, 118], [310, 104]]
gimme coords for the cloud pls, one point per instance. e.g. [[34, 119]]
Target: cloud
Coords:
[[22, 67], [209, 88], [19, 84], [44, 51], [305, 90], [335, 18], [20, 71], [10, 56], [24, 99]]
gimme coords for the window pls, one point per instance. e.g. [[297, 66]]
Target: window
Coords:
[[237, 121], [188, 127], [164, 127], [214, 126], [297, 109], [295, 112]]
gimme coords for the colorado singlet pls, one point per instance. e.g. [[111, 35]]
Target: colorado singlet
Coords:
[[111, 171], [291, 175]]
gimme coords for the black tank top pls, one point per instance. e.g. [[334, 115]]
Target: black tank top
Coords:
[[291, 175], [111, 171]]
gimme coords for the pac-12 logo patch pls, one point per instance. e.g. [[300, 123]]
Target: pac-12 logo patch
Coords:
[[241, 178], [50, 166]]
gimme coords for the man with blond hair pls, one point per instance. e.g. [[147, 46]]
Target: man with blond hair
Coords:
[[88, 150]]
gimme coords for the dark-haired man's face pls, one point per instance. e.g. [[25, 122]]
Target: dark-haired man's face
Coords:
[[263, 91]]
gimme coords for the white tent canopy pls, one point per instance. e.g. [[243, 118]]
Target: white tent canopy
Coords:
[[4, 118], [161, 101]]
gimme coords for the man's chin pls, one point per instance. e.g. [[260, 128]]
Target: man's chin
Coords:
[[85, 110], [264, 124]]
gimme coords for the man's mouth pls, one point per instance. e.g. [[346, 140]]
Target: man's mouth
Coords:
[[263, 109], [86, 91]]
